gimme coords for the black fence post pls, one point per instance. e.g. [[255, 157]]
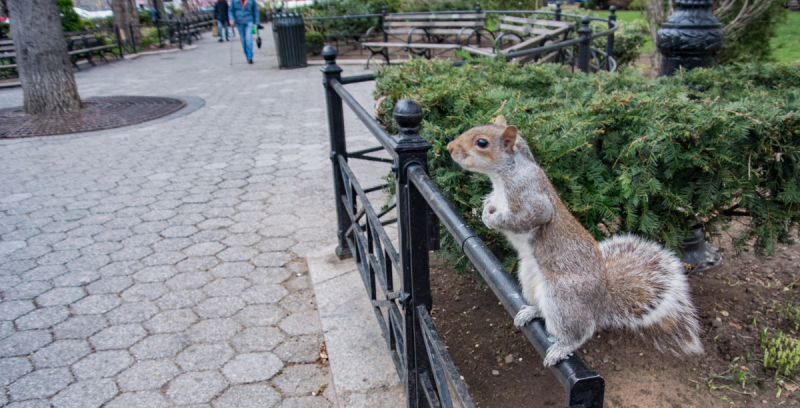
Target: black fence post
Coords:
[[612, 18], [133, 39], [180, 35], [412, 215], [158, 32], [119, 41], [583, 49], [558, 12], [330, 72], [383, 24]]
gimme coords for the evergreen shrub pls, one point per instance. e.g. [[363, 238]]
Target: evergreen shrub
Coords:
[[653, 157]]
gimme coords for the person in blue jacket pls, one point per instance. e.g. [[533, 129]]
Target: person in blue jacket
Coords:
[[244, 13]]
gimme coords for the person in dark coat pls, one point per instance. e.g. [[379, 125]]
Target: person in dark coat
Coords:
[[221, 15]]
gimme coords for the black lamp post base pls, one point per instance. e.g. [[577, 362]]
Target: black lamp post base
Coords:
[[671, 64]]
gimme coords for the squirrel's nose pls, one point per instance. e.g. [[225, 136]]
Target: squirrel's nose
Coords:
[[450, 148]]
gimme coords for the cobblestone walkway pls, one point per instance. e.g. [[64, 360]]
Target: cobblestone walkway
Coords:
[[161, 265]]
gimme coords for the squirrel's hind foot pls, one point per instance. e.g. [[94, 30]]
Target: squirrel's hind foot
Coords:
[[556, 353], [526, 314]]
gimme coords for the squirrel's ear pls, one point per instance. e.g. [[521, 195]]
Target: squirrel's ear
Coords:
[[509, 138], [500, 120]]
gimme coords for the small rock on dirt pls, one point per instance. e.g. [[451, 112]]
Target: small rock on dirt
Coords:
[[495, 373], [509, 359]]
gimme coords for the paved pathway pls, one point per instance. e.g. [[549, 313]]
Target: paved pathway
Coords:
[[161, 265]]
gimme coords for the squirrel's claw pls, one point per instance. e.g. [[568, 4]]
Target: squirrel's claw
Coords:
[[525, 315], [555, 353]]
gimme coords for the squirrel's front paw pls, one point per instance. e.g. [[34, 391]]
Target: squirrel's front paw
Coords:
[[555, 353], [486, 217], [525, 315]]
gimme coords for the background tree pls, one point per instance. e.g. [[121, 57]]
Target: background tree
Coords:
[[125, 15], [159, 6], [48, 85]]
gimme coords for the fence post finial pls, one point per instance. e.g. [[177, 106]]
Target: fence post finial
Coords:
[[408, 115], [612, 19], [478, 8], [558, 11]]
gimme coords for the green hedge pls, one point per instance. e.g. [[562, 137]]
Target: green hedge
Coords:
[[626, 154]]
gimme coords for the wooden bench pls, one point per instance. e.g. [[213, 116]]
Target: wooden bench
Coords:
[[88, 44], [422, 33], [527, 33]]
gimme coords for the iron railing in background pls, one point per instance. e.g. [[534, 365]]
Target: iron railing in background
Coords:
[[427, 372]]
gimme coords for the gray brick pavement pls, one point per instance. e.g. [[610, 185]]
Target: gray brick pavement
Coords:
[[162, 265]]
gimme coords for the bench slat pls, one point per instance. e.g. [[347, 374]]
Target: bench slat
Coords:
[[489, 52], [437, 31], [536, 21], [525, 30], [412, 45], [434, 24], [428, 16]]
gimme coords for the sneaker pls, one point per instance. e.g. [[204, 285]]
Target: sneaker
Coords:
[[220, 40], [250, 61]]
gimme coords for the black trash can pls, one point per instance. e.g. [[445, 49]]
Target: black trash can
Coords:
[[289, 33]]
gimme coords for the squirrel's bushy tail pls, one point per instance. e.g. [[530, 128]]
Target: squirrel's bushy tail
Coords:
[[648, 287]]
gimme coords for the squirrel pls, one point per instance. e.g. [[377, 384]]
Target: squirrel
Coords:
[[577, 285]]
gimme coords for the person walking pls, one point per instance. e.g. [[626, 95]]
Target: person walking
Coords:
[[244, 13], [221, 14]]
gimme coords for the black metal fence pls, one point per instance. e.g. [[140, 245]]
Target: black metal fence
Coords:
[[426, 370]]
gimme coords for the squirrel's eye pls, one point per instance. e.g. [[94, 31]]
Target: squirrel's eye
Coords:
[[482, 143]]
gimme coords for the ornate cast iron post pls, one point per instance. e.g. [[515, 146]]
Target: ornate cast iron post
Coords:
[[331, 72], [412, 215], [612, 19], [691, 36], [585, 34]]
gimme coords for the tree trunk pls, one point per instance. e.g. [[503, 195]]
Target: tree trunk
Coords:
[[125, 16], [159, 6], [48, 85]]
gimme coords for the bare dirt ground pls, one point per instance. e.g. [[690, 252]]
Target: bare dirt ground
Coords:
[[734, 302]]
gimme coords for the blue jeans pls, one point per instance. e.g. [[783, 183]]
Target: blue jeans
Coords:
[[222, 26], [246, 33]]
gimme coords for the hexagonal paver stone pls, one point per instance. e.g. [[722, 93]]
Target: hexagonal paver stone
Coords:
[[141, 399], [204, 249], [114, 284], [159, 346], [158, 273], [213, 330], [226, 287], [189, 280], [252, 367], [260, 315], [196, 387], [272, 259], [300, 349], [44, 273], [131, 253], [205, 356], [197, 264], [232, 269], [40, 384], [171, 321], [248, 396], [144, 291], [257, 339], [96, 304], [11, 310], [264, 294], [31, 404], [9, 281], [13, 368], [86, 394], [305, 402], [80, 327], [265, 276], [132, 313], [181, 299], [302, 379], [76, 278], [27, 290], [301, 323], [60, 296], [219, 307], [24, 343], [118, 337], [178, 231], [120, 268], [42, 318], [147, 375], [102, 364], [237, 253], [60, 353]]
